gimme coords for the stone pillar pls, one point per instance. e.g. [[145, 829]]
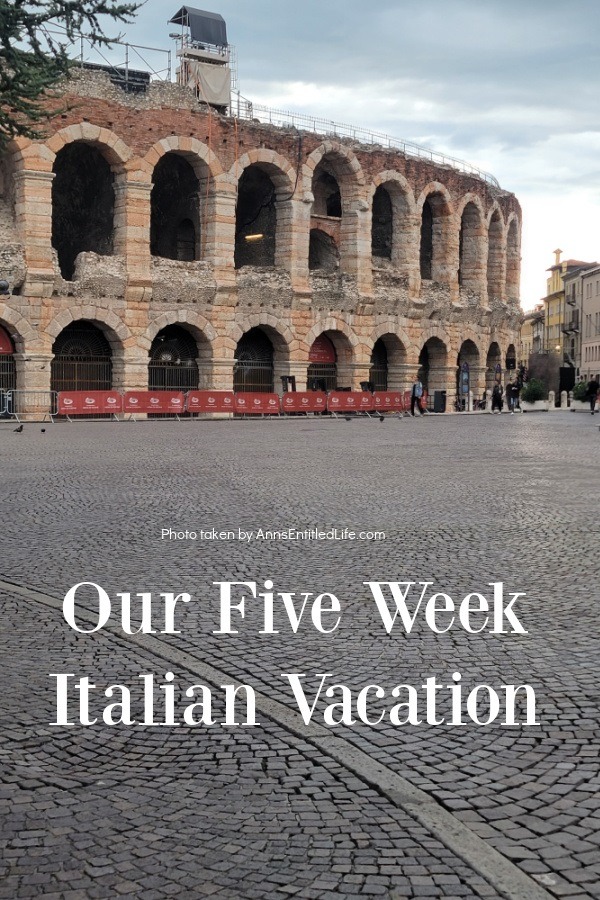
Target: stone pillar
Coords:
[[33, 207], [219, 242], [130, 373], [132, 237], [300, 240], [222, 374], [355, 250], [401, 377], [33, 399]]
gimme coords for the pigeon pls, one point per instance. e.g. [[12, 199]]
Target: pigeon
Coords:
[[19, 429], [382, 418]]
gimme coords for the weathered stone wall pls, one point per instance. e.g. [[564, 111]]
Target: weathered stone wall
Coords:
[[131, 295]]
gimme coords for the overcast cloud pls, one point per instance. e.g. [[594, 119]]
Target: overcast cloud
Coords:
[[511, 86]]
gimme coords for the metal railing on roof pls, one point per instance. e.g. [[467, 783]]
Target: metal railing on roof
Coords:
[[86, 51], [242, 108]]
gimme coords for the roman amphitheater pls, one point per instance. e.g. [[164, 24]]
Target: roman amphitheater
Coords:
[[149, 241]]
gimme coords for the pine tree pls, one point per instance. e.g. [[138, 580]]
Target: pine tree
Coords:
[[33, 60]]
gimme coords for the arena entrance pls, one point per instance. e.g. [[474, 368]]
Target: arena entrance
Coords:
[[173, 364], [8, 371], [253, 367], [378, 373], [82, 359], [321, 374]]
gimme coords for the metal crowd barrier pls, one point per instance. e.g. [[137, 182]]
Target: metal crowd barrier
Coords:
[[163, 404], [24, 405]]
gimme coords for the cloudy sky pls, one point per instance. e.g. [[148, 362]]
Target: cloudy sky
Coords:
[[511, 86]]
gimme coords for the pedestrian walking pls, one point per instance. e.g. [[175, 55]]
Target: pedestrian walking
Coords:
[[592, 390], [512, 396], [497, 398], [415, 396], [517, 396]]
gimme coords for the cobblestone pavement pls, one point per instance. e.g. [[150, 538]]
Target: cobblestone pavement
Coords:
[[265, 811]]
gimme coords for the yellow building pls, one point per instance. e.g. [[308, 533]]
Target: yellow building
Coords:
[[555, 314]]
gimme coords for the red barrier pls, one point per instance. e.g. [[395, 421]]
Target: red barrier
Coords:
[[251, 404], [350, 401], [155, 402], [389, 401], [210, 402], [304, 401], [89, 403]]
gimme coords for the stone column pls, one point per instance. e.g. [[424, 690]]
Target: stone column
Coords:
[[33, 372], [33, 207], [132, 239], [130, 373], [219, 242], [300, 240], [355, 236]]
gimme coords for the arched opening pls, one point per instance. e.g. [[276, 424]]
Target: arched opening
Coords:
[[513, 263], [378, 372], [433, 361], [433, 238], [493, 365], [471, 246], [173, 361], [326, 191], [256, 219], [466, 364], [175, 210], [382, 230], [321, 374], [253, 369], [323, 254], [83, 205], [511, 359], [8, 372], [82, 359], [495, 257], [426, 252]]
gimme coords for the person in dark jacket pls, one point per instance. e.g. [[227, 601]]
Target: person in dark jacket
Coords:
[[415, 396], [497, 398], [592, 391]]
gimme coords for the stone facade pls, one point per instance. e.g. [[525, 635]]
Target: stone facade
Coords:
[[441, 273]]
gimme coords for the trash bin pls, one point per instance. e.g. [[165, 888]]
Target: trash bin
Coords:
[[439, 401]]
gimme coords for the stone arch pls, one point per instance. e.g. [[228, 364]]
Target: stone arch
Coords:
[[343, 161], [262, 369], [472, 244], [202, 159], [113, 148], [403, 231], [337, 373], [331, 323], [8, 368], [265, 187], [433, 363], [335, 185], [496, 262], [395, 348], [114, 330], [83, 355], [493, 360], [467, 381], [437, 249], [84, 198], [199, 327], [513, 260], [19, 329]]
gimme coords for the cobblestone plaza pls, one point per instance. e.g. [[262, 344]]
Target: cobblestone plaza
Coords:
[[281, 809]]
